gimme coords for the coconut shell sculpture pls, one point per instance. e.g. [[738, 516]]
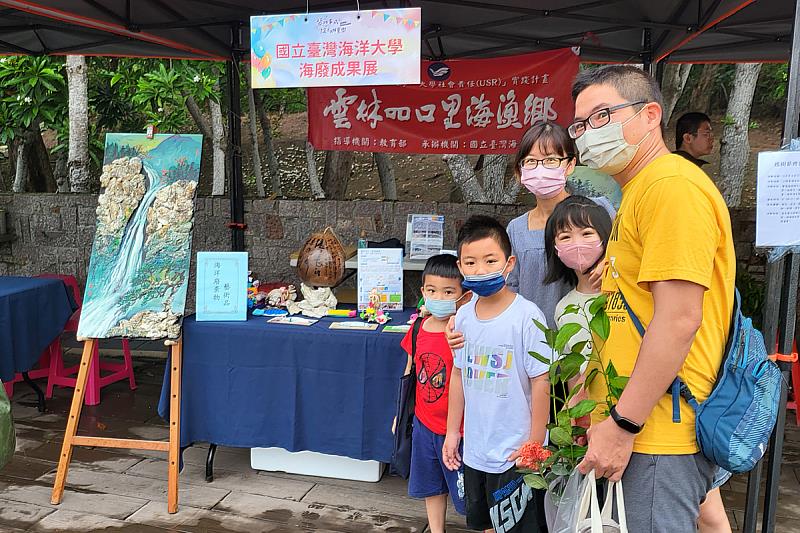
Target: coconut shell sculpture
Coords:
[[321, 260]]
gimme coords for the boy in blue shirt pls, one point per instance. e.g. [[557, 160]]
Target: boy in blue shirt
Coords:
[[499, 389]]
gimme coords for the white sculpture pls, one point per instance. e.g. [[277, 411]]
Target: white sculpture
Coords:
[[316, 302]]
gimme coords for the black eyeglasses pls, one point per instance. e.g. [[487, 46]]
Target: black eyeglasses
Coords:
[[530, 163], [598, 119]]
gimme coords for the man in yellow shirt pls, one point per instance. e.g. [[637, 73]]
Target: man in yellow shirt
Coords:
[[671, 257]]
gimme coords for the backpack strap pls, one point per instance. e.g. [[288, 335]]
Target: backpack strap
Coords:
[[414, 335], [678, 388]]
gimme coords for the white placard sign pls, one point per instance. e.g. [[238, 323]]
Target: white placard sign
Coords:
[[778, 199], [344, 48], [381, 269]]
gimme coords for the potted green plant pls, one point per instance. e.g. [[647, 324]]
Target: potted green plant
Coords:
[[573, 367]]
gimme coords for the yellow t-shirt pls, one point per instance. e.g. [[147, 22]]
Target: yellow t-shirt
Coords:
[[672, 225]]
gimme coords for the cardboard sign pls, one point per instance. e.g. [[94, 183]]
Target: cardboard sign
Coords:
[[221, 286]]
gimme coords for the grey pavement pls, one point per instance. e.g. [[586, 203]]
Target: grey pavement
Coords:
[[125, 490]]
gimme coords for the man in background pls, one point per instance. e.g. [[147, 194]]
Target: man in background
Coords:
[[694, 137]]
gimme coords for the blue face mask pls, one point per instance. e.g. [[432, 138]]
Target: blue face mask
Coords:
[[485, 284], [440, 308]]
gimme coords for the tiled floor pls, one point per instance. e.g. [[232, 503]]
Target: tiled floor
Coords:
[[120, 490]]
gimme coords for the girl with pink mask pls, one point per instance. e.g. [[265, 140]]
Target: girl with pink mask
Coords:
[[575, 237], [546, 157]]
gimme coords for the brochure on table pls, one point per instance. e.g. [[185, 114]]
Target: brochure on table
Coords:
[[424, 236], [778, 199], [381, 269], [221, 286]]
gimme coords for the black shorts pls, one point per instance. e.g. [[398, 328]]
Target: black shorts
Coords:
[[503, 502]]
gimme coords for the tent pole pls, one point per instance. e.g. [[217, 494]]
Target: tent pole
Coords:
[[792, 119], [647, 52], [236, 224], [779, 318]]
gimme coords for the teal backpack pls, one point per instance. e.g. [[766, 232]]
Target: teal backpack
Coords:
[[8, 439], [734, 424]]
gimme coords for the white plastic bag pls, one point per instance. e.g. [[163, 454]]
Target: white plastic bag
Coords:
[[579, 509], [609, 525], [568, 504]]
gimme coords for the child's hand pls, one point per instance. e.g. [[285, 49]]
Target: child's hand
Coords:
[[450, 455], [515, 456], [455, 339], [596, 276], [394, 425]]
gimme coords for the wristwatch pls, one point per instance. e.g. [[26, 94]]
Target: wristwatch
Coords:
[[628, 425]]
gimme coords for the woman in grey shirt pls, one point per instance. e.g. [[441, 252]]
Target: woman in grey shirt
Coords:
[[545, 158]]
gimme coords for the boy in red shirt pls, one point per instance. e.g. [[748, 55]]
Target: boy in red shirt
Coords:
[[430, 478]]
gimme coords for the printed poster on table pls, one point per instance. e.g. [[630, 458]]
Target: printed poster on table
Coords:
[[778, 199], [467, 106], [221, 286], [368, 47], [381, 269]]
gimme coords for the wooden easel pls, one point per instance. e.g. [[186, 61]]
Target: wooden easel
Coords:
[[71, 439]]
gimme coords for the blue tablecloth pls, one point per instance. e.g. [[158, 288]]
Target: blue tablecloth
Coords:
[[252, 384], [33, 312]]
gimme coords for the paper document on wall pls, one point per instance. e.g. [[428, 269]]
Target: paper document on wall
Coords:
[[778, 199]]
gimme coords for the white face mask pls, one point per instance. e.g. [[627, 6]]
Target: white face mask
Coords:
[[605, 149]]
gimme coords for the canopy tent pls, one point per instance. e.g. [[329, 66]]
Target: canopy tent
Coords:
[[640, 31], [606, 30]]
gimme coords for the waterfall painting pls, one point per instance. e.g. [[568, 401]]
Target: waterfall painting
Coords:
[[139, 269]]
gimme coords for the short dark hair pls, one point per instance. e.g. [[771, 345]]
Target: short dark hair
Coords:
[[551, 137], [632, 83], [444, 266], [575, 211], [688, 123], [479, 227]]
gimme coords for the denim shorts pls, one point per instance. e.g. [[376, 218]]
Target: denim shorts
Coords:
[[429, 476]]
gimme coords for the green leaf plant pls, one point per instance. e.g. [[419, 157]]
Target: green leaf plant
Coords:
[[567, 437]]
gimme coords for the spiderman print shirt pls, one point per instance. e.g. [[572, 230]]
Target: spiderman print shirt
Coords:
[[433, 362]]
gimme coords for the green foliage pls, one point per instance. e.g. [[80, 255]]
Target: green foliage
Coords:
[[284, 100], [753, 292], [769, 99], [771, 89], [563, 370], [130, 94], [754, 125], [32, 94]]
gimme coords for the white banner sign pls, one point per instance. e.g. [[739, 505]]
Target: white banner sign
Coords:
[[368, 47]]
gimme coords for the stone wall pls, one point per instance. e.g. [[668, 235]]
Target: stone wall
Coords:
[[54, 232]]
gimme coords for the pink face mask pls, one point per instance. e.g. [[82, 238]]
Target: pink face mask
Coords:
[[580, 256], [544, 182]]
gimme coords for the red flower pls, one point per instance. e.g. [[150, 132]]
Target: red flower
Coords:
[[532, 455]]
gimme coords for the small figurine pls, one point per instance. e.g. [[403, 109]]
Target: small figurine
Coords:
[[253, 298], [374, 299], [373, 312]]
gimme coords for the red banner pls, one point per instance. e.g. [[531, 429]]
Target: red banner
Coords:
[[468, 106]]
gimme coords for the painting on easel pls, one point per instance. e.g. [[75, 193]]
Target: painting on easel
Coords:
[[139, 269]]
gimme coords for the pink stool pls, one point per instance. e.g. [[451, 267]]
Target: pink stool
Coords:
[[65, 377]]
